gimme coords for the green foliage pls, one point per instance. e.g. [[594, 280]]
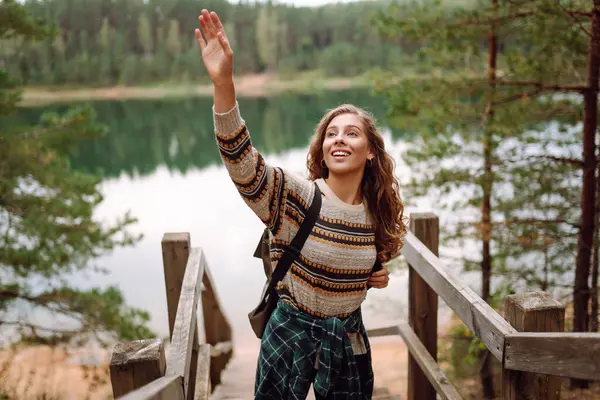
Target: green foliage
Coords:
[[48, 229], [107, 43], [525, 125], [342, 59]]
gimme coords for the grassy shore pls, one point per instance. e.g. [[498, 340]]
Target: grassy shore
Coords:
[[258, 85]]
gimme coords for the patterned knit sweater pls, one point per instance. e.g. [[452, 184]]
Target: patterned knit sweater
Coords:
[[330, 278]]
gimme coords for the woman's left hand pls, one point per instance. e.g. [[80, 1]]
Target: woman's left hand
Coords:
[[379, 279]]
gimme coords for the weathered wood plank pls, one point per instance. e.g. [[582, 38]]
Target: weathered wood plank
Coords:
[[193, 371], [203, 386], [384, 331], [216, 327], [176, 250], [532, 312], [165, 388], [182, 343], [477, 315], [427, 364], [568, 354], [135, 364], [422, 307]]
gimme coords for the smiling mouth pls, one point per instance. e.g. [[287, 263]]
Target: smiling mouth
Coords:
[[340, 154]]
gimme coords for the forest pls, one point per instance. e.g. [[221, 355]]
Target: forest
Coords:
[[133, 42]]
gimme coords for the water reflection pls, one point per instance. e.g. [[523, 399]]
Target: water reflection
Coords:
[[178, 133]]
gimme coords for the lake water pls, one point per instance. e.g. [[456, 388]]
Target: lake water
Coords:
[[160, 161]]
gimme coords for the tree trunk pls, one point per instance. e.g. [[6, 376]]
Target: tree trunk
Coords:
[[594, 288], [485, 371], [596, 260], [581, 291]]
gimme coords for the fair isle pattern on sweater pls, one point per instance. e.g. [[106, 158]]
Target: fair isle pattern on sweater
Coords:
[[330, 277]]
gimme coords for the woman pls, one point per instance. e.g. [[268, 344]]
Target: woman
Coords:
[[316, 334]]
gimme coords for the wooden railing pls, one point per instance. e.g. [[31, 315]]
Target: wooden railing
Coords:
[[139, 369], [530, 343]]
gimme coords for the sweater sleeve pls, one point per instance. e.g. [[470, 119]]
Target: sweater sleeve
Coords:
[[261, 186]]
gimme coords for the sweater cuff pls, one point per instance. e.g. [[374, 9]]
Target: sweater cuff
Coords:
[[229, 122]]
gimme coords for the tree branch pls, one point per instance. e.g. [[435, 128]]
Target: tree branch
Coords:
[[576, 12], [39, 327], [518, 96], [573, 15], [44, 300], [563, 160], [503, 19], [532, 221], [542, 86]]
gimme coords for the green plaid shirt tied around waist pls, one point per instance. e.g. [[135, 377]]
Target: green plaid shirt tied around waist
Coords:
[[289, 348]]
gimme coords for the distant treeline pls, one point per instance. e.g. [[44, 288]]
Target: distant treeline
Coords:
[[107, 42]]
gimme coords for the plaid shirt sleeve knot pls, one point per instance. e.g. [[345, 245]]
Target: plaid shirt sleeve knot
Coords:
[[289, 348]]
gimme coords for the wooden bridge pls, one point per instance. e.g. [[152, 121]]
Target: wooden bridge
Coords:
[[535, 352]]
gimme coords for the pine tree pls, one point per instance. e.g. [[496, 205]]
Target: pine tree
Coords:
[[144, 33], [267, 32], [47, 228], [494, 133]]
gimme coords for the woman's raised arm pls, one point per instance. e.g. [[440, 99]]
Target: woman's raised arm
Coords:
[[262, 186], [218, 59]]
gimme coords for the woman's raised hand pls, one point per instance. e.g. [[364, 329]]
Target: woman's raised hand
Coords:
[[216, 51]]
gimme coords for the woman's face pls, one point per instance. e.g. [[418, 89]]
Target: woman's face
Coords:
[[346, 145]]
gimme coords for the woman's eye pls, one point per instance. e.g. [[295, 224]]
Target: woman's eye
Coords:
[[330, 134], [352, 133]]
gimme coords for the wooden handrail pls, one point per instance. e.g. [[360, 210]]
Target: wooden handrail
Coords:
[[428, 365], [579, 353], [568, 354], [167, 387], [521, 353], [477, 315], [182, 342], [191, 367]]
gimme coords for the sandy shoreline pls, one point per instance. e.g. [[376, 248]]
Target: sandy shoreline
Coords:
[[257, 85], [34, 371]]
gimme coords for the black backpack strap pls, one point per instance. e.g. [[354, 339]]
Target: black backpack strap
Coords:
[[377, 266], [292, 251]]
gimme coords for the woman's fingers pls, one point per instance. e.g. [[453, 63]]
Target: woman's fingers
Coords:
[[380, 278], [381, 272], [200, 39], [210, 31], [379, 285], [217, 23], [224, 43]]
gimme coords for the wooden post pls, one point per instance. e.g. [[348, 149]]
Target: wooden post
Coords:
[[217, 329], [135, 364], [203, 386], [423, 307], [532, 312], [176, 250]]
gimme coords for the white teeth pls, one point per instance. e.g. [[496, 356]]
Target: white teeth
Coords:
[[340, 153]]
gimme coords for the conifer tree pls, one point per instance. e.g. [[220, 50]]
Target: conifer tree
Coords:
[[47, 228], [502, 132]]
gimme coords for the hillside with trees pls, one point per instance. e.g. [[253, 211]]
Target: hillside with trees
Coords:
[[133, 42]]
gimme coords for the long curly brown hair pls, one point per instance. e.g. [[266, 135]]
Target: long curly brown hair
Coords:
[[379, 184]]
